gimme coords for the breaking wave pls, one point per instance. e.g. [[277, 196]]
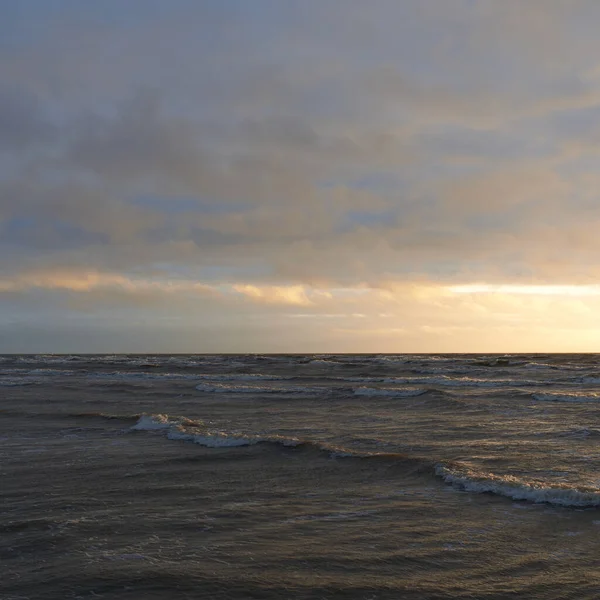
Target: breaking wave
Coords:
[[161, 421], [518, 489], [182, 429], [453, 473]]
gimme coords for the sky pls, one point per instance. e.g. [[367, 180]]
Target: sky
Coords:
[[299, 176]]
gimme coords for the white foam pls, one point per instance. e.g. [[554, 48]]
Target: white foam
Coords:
[[567, 397], [512, 487], [394, 392], [539, 365], [50, 372], [221, 439], [324, 362], [182, 429], [153, 422]]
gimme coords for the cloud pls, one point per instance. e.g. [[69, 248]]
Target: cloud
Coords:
[[88, 281], [22, 123], [394, 151], [295, 294]]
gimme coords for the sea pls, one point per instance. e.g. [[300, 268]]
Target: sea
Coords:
[[300, 476]]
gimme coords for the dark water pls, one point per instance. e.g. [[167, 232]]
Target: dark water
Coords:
[[299, 477]]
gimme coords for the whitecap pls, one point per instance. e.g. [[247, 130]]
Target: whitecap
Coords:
[[153, 422], [162, 421]]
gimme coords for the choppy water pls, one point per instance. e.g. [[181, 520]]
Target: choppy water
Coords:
[[338, 476]]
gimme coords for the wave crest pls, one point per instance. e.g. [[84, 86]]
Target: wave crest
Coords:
[[518, 489]]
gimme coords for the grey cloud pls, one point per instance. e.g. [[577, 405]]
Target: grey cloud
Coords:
[[294, 146], [22, 123]]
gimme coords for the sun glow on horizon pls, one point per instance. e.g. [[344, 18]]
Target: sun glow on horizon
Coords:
[[528, 290]]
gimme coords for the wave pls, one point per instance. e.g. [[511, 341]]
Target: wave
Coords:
[[567, 397], [324, 362], [102, 415], [473, 382], [149, 375], [241, 377], [545, 366], [518, 489], [447, 381], [183, 429], [453, 473], [499, 361], [125, 418], [162, 421], [221, 388], [582, 432], [393, 392], [17, 381], [141, 375], [220, 439]]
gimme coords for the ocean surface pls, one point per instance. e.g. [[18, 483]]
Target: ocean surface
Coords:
[[300, 476]]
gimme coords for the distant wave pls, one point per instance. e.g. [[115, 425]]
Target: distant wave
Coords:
[[446, 381], [581, 432], [393, 392], [241, 377], [16, 381], [324, 362], [141, 375], [222, 388], [102, 415], [567, 397]]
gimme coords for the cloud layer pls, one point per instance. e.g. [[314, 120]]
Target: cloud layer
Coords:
[[252, 176]]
